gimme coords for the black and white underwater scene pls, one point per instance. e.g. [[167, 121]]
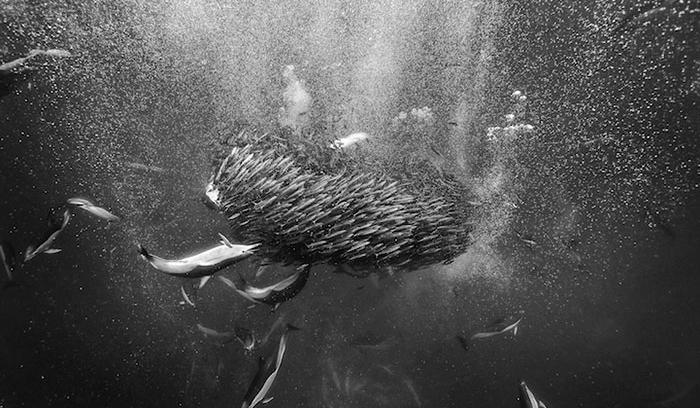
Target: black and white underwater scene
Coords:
[[350, 204]]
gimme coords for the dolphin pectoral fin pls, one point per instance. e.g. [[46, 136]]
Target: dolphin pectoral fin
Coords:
[[203, 281], [266, 400], [515, 331], [225, 241], [52, 251]]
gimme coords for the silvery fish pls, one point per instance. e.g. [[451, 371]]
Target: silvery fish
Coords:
[[512, 327], [216, 336]]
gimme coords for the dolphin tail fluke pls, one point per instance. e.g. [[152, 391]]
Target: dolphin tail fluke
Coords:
[[144, 253]]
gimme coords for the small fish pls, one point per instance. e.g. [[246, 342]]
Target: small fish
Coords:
[[93, 209], [245, 337], [187, 298], [370, 341], [527, 398], [8, 257], [266, 374], [512, 327], [57, 222], [349, 140], [216, 336], [277, 293], [211, 197], [412, 390], [53, 52], [526, 239], [202, 264], [649, 13]]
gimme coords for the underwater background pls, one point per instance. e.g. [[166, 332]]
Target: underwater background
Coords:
[[586, 226]]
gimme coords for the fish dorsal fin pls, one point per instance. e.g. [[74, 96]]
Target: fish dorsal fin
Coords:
[[225, 241]]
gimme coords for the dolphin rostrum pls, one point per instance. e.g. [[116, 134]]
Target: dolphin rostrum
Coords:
[[92, 209], [57, 222], [512, 327], [267, 371], [205, 263], [527, 398], [274, 294]]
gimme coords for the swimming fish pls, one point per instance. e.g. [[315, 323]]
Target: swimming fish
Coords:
[[412, 390], [7, 255], [246, 337], [347, 141], [57, 222], [92, 209], [370, 341], [20, 70], [274, 294], [202, 264], [527, 398], [216, 336], [651, 14], [184, 296], [512, 327], [266, 374], [210, 198]]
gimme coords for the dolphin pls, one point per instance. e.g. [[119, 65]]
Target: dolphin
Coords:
[[512, 327], [57, 222], [205, 263], [92, 209], [267, 372], [527, 398], [7, 255], [274, 294]]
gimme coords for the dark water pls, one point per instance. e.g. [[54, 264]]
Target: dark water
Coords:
[[606, 186]]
